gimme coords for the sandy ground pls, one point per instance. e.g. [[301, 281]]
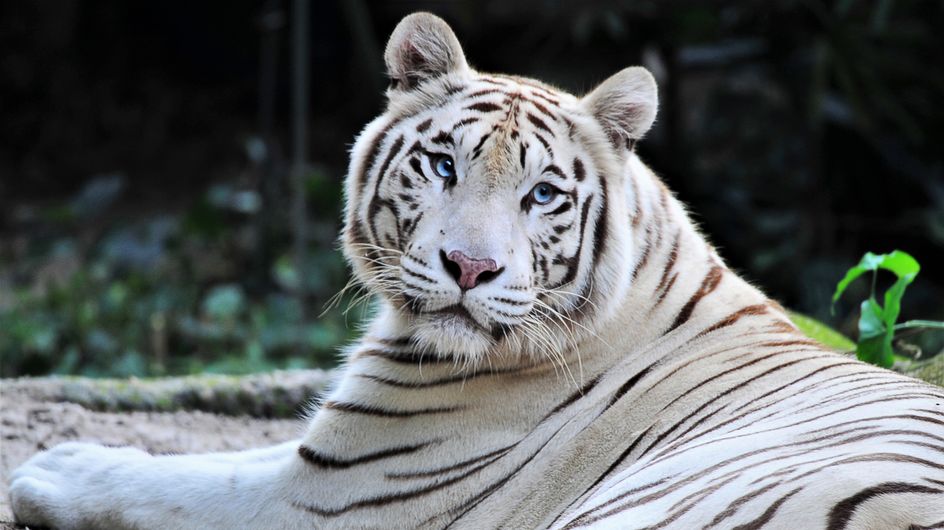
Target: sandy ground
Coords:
[[30, 423]]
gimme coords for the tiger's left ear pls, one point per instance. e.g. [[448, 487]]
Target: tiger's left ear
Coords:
[[625, 105], [421, 47]]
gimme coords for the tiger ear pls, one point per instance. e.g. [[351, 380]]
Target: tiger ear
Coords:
[[422, 47], [625, 105]]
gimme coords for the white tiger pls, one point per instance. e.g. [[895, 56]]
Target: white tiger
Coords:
[[557, 347]]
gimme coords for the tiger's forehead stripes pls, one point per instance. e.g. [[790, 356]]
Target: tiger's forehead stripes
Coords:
[[500, 160], [521, 102]]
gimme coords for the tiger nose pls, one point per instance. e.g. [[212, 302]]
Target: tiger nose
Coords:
[[469, 272]]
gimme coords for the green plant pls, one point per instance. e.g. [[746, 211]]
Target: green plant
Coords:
[[878, 323], [819, 331]]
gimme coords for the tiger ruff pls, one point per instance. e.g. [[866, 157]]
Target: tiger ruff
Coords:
[[585, 360]]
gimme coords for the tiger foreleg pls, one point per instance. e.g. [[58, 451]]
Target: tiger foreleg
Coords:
[[81, 485]]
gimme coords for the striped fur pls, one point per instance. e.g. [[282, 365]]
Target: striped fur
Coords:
[[615, 374]]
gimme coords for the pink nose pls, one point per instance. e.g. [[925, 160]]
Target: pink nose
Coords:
[[469, 272]]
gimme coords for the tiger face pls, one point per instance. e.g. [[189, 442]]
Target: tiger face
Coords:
[[490, 211]]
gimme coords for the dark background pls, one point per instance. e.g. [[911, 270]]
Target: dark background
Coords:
[[145, 153]]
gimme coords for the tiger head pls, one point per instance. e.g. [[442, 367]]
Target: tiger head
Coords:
[[491, 212]]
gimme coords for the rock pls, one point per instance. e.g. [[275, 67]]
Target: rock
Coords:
[[279, 394], [931, 370]]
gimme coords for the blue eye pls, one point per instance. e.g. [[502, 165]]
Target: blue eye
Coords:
[[444, 167], [543, 193]]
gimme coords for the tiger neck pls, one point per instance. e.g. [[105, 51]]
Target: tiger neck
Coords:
[[675, 274]]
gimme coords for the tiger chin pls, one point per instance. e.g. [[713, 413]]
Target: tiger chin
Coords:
[[557, 346]]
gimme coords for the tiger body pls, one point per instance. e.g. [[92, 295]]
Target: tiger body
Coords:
[[605, 370]]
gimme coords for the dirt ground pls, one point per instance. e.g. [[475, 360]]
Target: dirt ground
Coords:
[[31, 421]]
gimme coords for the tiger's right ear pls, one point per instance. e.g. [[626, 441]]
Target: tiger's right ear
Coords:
[[625, 105], [422, 47]]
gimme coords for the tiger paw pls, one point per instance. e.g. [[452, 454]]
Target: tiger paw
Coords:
[[63, 487]]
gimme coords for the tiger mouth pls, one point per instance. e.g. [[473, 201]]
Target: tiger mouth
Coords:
[[458, 312]]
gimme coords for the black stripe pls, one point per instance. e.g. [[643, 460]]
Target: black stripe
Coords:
[[843, 511], [709, 284], [716, 398], [791, 383], [491, 456], [509, 301], [665, 292], [541, 108], [494, 81], [483, 494], [453, 89], [670, 262], [396, 341], [464, 122], [370, 410], [418, 275], [723, 373], [443, 138], [644, 259], [582, 391], [376, 202], [547, 146], [409, 229], [573, 262], [372, 152], [602, 227], [484, 106], [933, 526], [484, 91], [477, 149], [579, 172], [751, 310], [625, 454], [387, 499], [458, 378], [329, 462], [629, 384], [555, 170], [547, 98], [539, 123], [560, 209], [418, 168], [410, 357], [424, 125], [768, 514]]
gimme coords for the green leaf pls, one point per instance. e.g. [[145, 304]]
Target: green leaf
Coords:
[[851, 275], [876, 350], [893, 301], [875, 338], [871, 320], [819, 331], [898, 262]]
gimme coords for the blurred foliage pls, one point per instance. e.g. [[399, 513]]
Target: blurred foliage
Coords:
[[145, 188], [165, 294]]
